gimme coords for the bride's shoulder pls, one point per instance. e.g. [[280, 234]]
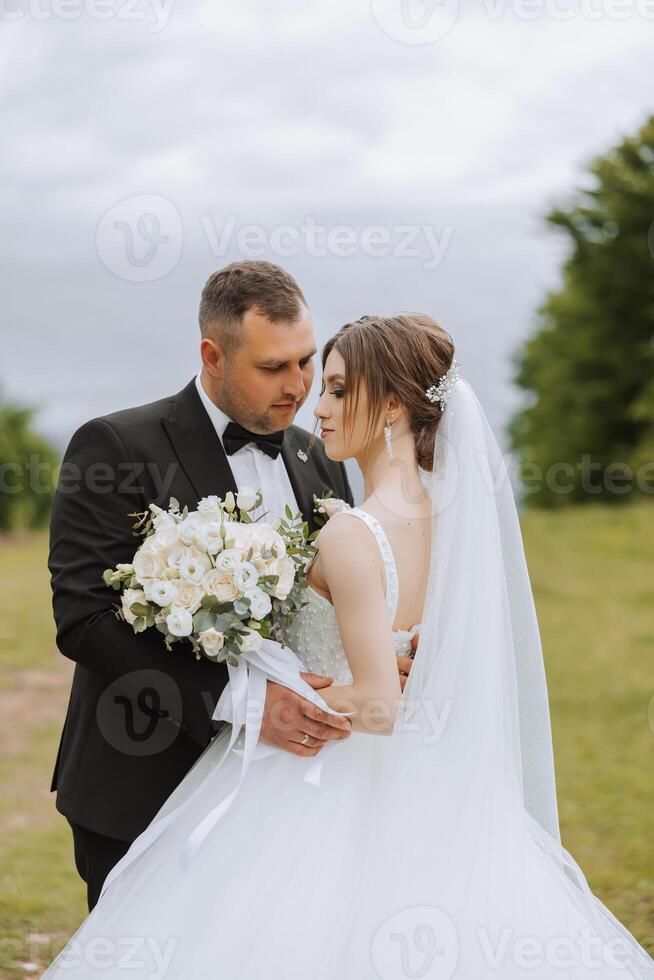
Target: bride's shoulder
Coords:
[[346, 539], [348, 554]]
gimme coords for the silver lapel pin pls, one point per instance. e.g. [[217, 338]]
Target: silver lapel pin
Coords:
[[302, 456]]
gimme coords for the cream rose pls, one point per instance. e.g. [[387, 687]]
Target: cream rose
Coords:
[[212, 641], [129, 597], [147, 564], [189, 596], [220, 585], [285, 568]]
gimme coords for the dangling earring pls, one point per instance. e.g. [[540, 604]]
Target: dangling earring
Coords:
[[388, 436]]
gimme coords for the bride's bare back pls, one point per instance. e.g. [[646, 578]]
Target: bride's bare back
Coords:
[[410, 538]]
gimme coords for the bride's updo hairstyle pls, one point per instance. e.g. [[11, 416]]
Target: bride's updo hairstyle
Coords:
[[399, 355]]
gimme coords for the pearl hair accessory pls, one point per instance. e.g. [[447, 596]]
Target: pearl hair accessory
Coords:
[[441, 392]]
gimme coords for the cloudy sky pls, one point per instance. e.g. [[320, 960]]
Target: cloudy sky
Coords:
[[392, 155]]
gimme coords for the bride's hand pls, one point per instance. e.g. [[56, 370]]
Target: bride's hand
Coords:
[[289, 718]]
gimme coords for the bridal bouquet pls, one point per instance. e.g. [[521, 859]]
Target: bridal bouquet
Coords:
[[213, 576]]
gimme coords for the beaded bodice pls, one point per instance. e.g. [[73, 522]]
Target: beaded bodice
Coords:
[[314, 634]]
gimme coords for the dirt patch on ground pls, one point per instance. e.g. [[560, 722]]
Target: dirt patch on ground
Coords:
[[31, 697]]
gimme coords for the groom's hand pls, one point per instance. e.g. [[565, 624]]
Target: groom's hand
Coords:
[[404, 664], [289, 718]]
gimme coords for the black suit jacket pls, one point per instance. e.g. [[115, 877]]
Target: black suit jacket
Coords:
[[139, 716]]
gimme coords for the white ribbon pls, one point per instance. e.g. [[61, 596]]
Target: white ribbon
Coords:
[[241, 705]]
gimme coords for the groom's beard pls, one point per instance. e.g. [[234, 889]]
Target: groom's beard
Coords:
[[234, 404]]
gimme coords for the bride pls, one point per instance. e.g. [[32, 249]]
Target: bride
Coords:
[[426, 844]]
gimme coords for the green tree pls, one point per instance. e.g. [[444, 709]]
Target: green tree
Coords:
[[589, 368], [27, 470]]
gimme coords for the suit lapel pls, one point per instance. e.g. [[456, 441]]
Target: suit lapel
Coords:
[[203, 459], [302, 472], [197, 445]]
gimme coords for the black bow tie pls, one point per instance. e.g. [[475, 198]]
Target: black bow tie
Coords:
[[235, 437]]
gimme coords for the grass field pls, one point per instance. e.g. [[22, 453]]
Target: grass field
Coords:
[[592, 575]]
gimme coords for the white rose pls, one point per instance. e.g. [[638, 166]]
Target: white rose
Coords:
[[265, 566], [220, 585], [261, 603], [189, 596], [229, 560], [246, 498], [161, 540], [193, 566], [209, 537], [242, 537], [251, 641], [187, 529], [174, 554], [163, 520], [161, 591], [212, 641], [245, 576], [285, 568], [209, 508], [147, 564], [179, 622], [129, 597], [268, 538]]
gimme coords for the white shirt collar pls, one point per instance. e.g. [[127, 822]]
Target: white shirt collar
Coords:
[[217, 416]]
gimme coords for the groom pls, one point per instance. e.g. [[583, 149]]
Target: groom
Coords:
[[140, 716]]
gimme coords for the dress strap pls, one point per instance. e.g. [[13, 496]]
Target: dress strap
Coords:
[[390, 568]]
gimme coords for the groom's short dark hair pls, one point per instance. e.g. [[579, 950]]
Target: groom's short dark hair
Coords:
[[230, 292]]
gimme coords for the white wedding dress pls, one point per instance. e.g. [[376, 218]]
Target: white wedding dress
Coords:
[[411, 858]]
